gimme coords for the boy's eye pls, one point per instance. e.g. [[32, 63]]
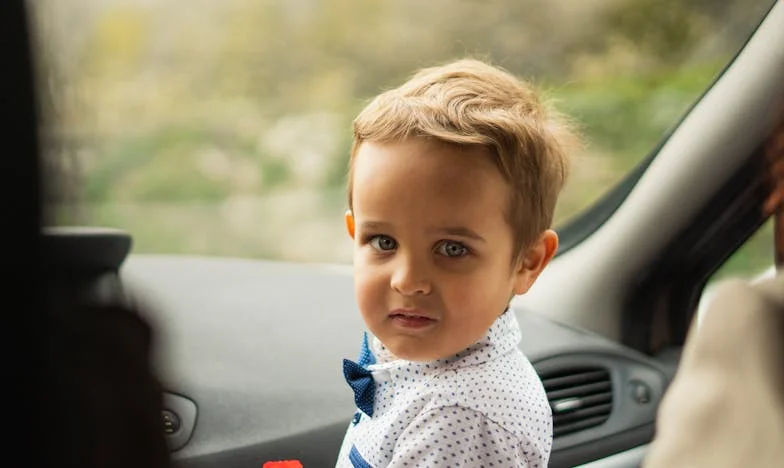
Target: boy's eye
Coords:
[[383, 243], [452, 249]]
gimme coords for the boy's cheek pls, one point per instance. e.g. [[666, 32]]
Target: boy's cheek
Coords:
[[464, 298], [364, 253], [364, 264], [360, 259], [369, 283], [472, 293], [370, 302]]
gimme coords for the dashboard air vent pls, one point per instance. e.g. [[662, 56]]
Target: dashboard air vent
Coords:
[[580, 398]]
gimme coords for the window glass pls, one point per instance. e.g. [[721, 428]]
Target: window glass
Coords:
[[224, 127], [753, 259]]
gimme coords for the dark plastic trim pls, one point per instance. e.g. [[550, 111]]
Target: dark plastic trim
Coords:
[[187, 413], [670, 289], [626, 372], [86, 250]]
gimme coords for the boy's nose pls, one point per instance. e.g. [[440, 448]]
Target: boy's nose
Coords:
[[410, 279]]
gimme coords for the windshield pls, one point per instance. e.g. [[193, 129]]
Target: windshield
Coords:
[[224, 128]]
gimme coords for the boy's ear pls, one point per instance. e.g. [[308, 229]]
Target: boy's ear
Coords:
[[350, 223], [534, 260]]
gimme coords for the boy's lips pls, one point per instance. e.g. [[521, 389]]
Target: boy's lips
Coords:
[[411, 318], [411, 313]]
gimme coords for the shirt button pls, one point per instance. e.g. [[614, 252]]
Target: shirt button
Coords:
[[357, 417]]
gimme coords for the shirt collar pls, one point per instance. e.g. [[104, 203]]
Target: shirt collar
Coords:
[[503, 336]]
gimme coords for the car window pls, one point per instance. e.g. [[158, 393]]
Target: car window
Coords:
[[752, 260], [224, 128]]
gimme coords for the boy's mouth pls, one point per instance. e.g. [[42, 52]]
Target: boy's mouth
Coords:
[[410, 318]]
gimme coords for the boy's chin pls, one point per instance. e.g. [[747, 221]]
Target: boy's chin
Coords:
[[408, 352]]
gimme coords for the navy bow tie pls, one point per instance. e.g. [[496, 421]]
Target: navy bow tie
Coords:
[[360, 379]]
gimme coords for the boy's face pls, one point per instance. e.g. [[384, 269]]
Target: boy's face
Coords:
[[432, 249]]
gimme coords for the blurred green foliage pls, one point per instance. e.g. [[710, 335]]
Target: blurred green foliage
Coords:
[[224, 127]]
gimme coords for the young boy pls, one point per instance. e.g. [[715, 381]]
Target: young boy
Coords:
[[453, 181]]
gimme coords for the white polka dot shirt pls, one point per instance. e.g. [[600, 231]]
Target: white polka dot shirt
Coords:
[[484, 407]]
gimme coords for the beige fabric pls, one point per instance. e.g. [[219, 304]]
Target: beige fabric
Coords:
[[725, 407]]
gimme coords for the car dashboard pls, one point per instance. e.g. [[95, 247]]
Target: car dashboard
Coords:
[[250, 355]]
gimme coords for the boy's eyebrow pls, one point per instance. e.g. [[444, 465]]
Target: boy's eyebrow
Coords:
[[461, 232], [375, 226], [449, 230]]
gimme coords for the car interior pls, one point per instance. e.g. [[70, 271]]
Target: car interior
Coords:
[[248, 351]]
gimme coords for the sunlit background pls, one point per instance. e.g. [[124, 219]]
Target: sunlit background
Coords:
[[224, 127]]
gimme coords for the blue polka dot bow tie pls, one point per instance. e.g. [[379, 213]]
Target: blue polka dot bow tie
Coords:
[[360, 379]]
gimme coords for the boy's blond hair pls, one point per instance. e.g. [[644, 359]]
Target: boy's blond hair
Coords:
[[468, 103]]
